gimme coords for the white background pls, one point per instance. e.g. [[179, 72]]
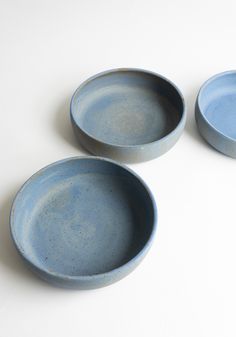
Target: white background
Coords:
[[186, 286]]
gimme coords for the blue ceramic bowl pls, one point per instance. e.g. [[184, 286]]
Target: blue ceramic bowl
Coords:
[[83, 222], [216, 112], [130, 115]]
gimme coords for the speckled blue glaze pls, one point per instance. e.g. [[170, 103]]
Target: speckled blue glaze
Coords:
[[216, 112], [130, 115], [83, 222]]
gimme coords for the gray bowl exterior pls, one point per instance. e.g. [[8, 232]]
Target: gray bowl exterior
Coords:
[[213, 137], [129, 154]]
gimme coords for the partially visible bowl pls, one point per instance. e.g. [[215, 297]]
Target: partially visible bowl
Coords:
[[83, 222], [130, 115], [215, 112]]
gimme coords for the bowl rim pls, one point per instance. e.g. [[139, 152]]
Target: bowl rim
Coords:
[[98, 276], [141, 71], [200, 93]]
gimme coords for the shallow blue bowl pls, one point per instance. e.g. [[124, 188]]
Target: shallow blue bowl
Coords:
[[130, 115], [216, 112], [83, 222]]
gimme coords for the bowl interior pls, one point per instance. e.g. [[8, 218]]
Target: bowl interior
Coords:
[[127, 107], [217, 102], [82, 217]]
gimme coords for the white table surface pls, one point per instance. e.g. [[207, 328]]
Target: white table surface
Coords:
[[186, 286]]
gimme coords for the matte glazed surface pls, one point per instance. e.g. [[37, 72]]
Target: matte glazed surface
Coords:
[[125, 113], [216, 112], [83, 222]]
